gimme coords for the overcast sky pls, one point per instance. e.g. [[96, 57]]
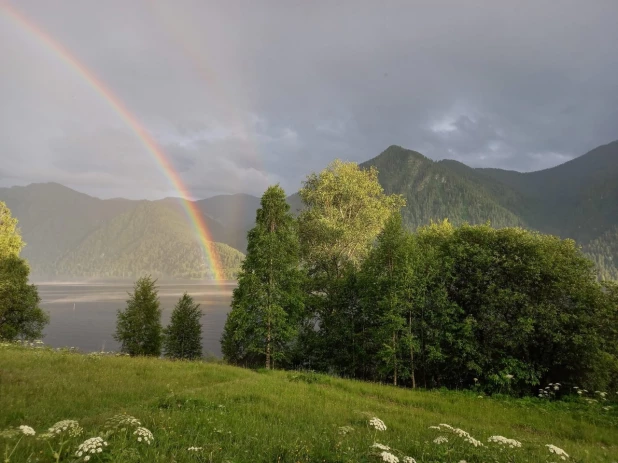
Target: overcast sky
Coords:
[[243, 94]]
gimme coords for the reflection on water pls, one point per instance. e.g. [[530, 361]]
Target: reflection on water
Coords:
[[83, 315]]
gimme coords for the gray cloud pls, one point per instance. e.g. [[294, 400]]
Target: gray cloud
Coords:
[[239, 95]]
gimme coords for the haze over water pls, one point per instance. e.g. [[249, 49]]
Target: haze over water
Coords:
[[83, 315]]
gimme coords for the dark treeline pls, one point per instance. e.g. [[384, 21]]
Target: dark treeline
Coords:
[[346, 289]]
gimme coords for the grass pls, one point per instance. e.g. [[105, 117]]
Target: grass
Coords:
[[239, 415]]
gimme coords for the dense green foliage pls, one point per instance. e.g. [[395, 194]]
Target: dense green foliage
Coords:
[[267, 302], [238, 415], [20, 314], [138, 326], [467, 306], [182, 338]]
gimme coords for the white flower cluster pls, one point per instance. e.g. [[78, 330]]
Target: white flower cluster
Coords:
[[459, 432], [389, 457], [27, 430], [440, 440], [409, 460], [345, 429], [144, 435], [195, 449], [71, 426], [9, 433], [557, 450], [378, 424], [122, 422], [90, 446], [512, 443], [377, 445]]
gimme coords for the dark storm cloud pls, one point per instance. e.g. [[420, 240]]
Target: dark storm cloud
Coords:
[[243, 94]]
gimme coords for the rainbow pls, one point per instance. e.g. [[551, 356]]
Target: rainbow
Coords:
[[145, 138]]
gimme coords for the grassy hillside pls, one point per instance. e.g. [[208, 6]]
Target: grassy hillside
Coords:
[[152, 238], [237, 415]]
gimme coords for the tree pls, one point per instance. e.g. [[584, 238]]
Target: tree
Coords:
[[345, 209], [138, 327], [183, 336], [11, 242], [20, 314], [268, 299]]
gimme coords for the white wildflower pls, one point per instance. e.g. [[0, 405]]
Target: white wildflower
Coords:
[[90, 446], [378, 424], [27, 430], [71, 426], [122, 422], [512, 443], [195, 449], [143, 434], [377, 445], [389, 457], [435, 427], [473, 441], [556, 388], [345, 429], [440, 440], [9, 433], [558, 451], [409, 460], [463, 461], [447, 426], [508, 376]]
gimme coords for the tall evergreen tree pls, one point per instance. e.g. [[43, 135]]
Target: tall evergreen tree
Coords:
[[138, 327], [267, 302], [183, 336]]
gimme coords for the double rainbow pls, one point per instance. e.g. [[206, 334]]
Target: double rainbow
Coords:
[[145, 138]]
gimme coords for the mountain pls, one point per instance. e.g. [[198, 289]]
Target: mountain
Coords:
[[70, 234], [577, 199], [73, 234]]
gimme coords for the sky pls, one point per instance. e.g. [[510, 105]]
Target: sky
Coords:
[[243, 94]]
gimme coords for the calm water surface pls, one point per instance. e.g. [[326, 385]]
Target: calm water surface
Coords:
[[84, 315]]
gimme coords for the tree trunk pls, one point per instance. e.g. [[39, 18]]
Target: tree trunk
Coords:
[[411, 353], [268, 347], [394, 360]]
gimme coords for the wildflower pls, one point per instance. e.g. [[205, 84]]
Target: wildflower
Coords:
[[476, 380], [122, 422], [473, 441], [9, 433], [195, 449], [409, 460], [512, 443], [558, 451], [27, 430], [447, 426], [579, 392], [435, 427], [380, 446], [389, 457], [463, 461], [143, 434], [378, 424], [440, 440], [508, 376], [70, 426], [345, 429], [89, 447]]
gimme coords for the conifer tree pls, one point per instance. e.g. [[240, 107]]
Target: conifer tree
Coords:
[[183, 336], [138, 327], [267, 302]]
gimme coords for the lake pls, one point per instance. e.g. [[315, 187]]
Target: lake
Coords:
[[83, 315]]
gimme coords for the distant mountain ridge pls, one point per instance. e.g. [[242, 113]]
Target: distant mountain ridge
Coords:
[[72, 234]]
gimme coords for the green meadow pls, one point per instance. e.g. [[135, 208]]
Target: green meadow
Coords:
[[230, 414]]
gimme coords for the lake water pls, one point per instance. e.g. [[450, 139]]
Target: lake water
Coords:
[[83, 315]]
